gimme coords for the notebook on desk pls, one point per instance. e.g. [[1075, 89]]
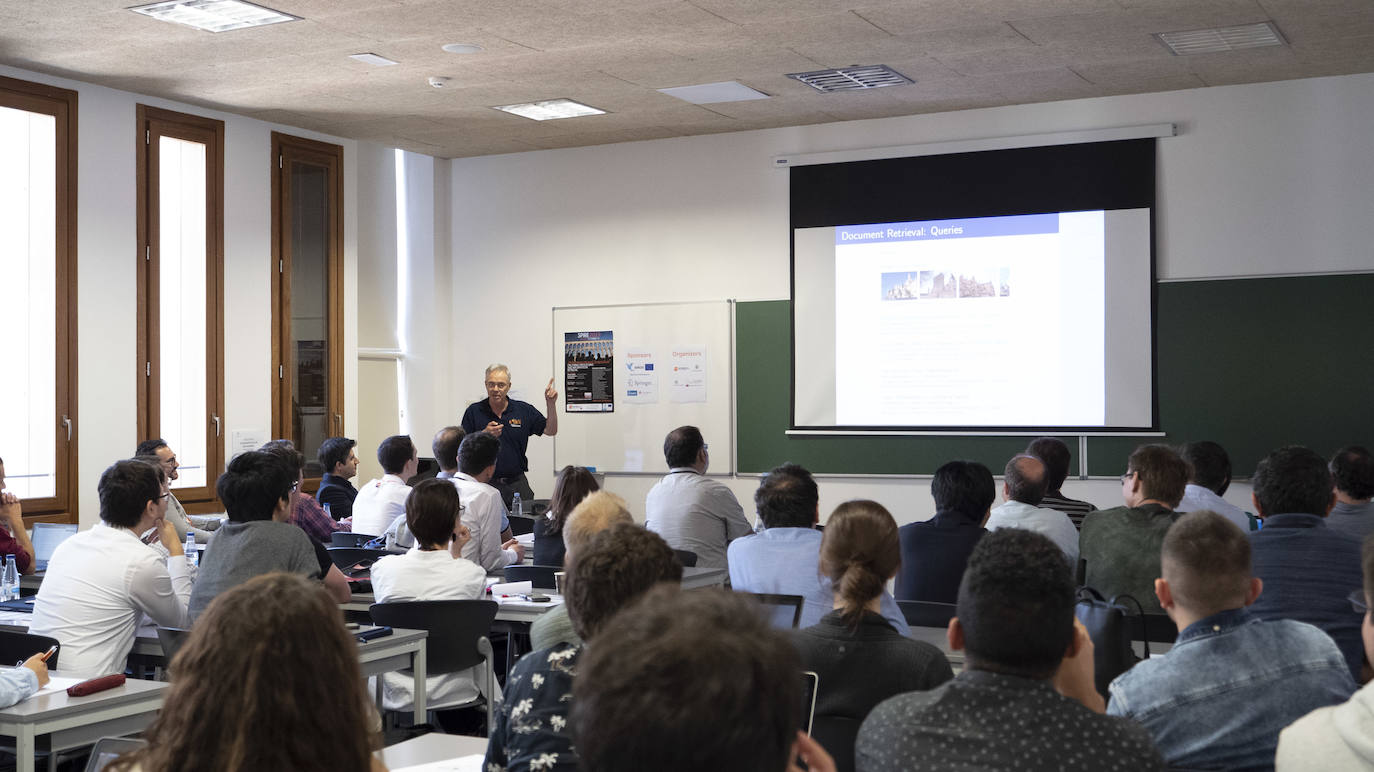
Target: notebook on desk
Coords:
[[46, 537]]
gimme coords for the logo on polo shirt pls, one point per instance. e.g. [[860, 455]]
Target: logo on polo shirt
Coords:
[[515, 422]]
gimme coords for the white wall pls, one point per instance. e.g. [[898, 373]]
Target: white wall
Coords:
[[1263, 179], [106, 272]]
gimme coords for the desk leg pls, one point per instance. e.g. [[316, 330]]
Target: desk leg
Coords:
[[23, 749], [419, 664]]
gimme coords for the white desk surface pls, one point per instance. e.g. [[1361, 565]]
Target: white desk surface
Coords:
[[429, 748], [71, 722]]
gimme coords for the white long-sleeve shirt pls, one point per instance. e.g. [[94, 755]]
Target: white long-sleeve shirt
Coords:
[[379, 502], [482, 513], [98, 585]]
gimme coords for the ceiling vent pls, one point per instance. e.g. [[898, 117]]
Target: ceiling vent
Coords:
[[852, 78], [1221, 39]]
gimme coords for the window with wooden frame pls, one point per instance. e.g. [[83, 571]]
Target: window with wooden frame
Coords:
[[307, 295], [38, 311], [181, 295]]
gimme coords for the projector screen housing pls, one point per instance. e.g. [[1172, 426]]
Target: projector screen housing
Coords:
[[1007, 291]]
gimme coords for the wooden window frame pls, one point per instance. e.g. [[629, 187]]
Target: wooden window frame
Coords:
[[154, 121], [60, 103], [285, 150]]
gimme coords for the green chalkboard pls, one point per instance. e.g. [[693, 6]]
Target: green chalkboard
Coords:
[[1250, 363]]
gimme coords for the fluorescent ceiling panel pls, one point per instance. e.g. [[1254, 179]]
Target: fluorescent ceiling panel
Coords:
[[551, 109], [214, 15]]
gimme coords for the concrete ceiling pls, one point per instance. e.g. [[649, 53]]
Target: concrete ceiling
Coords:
[[614, 54]]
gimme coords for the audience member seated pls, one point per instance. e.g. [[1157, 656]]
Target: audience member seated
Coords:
[[381, 500], [14, 537], [598, 512], [858, 658], [690, 681], [267, 680], [690, 510], [573, 485], [176, 514], [1352, 472], [1209, 478], [1120, 546], [784, 557], [1219, 698], [1026, 698], [617, 567], [340, 464], [1309, 569], [445, 447], [306, 513], [24, 680], [433, 569], [1023, 488], [100, 582], [1055, 455], [257, 491], [1338, 739], [935, 552], [483, 509]]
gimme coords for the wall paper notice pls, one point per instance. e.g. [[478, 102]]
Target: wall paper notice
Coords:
[[688, 362], [589, 372]]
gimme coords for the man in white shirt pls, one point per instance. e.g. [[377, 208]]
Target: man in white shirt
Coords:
[[1210, 477], [101, 581], [1023, 486], [482, 504], [690, 510], [381, 501]]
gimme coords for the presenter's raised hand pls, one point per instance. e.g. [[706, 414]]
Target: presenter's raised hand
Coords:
[[550, 393]]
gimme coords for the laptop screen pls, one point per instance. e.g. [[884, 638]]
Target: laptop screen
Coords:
[[46, 537]]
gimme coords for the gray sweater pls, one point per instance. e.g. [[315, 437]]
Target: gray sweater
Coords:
[[240, 551]]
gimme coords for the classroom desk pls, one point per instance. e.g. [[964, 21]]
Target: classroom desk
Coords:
[[73, 722], [429, 748], [402, 649]]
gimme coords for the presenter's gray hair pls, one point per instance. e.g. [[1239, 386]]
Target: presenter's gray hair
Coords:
[[496, 367]]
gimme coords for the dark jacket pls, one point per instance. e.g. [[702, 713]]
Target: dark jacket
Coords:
[[934, 556]]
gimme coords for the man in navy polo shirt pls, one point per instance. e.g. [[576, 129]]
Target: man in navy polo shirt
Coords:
[[512, 422]]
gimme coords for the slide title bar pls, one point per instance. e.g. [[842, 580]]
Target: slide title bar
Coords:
[[965, 228]]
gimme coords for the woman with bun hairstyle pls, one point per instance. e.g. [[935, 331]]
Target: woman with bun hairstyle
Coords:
[[860, 660]]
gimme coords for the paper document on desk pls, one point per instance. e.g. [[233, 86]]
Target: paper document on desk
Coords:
[[57, 684], [460, 764]]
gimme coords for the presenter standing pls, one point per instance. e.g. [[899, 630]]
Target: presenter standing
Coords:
[[512, 422]]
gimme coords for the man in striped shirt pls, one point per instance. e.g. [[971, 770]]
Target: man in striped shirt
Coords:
[[1055, 455]]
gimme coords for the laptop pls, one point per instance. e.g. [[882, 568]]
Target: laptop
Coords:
[[46, 537]]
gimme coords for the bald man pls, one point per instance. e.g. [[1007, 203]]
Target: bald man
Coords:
[[1024, 485]]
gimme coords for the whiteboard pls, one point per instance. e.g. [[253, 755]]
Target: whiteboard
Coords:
[[629, 438]]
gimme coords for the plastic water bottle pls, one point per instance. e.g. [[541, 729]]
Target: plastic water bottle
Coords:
[[192, 556], [9, 584], [517, 508]]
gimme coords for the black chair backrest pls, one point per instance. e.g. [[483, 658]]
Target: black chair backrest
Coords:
[[347, 557], [17, 647], [687, 558], [538, 507], [926, 613], [453, 626], [836, 735], [775, 603], [1157, 628], [537, 576], [171, 639], [346, 539]]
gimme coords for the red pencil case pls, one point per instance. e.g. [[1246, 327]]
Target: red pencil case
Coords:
[[96, 685]]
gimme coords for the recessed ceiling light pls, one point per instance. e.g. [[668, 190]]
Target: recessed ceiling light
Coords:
[[462, 48], [550, 109], [852, 78], [1219, 39], [214, 15], [711, 93], [375, 59]]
